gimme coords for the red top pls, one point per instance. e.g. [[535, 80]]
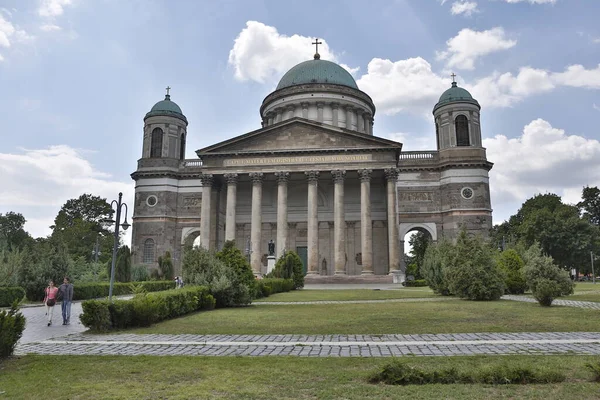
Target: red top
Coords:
[[50, 293]]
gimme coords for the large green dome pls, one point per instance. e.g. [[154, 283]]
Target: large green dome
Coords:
[[166, 107], [317, 71], [455, 94]]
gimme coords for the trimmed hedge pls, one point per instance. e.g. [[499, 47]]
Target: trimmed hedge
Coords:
[[145, 309], [86, 291], [268, 286], [416, 283], [12, 324], [10, 294]]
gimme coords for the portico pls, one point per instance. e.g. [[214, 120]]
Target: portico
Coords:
[[321, 175]]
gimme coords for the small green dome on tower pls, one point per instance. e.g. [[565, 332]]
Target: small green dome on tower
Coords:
[[167, 108], [455, 94], [317, 71]]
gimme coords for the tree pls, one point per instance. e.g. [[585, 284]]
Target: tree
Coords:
[[289, 266], [545, 279], [435, 261], [12, 231], [123, 265], [419, 243], [590, 205], [165, 266], [79, 224]]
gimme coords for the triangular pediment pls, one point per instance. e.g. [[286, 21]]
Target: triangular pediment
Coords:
[[299, 134]]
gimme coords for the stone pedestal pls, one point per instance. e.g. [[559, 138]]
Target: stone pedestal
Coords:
[[398, 276], [270, 263]]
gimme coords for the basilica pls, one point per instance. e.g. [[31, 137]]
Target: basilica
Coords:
[[313, 178]]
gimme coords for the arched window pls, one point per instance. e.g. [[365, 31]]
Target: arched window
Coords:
[[148, 251], [156, 143], [461, 125], [437, 135], [182, 147]]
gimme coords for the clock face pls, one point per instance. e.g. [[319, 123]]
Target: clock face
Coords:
[[467, 193]]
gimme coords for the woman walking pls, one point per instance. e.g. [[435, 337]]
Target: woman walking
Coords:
[[50, 300]]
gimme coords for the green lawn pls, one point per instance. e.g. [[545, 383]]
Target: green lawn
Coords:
[[451, 316], [147, 377], [350, 294]]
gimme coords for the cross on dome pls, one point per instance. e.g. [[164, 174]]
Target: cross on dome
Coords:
[[317, 43]]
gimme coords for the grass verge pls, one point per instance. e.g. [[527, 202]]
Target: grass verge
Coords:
[[453, 316], [145, 377], [349, 294]]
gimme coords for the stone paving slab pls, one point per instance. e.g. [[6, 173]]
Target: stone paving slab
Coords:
[[321, 346]]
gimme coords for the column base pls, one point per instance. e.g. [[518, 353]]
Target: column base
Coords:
[[394, 272], [340, 273], [367, 273], [312, 273]]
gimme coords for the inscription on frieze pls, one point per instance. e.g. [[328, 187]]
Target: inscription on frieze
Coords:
[[297, 160], [192, 202], [416, 196]]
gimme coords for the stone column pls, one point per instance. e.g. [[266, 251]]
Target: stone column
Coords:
[[391, 175], [207, 182], [270, 118], [348, 117], [366, 226], [360, 121], [339, 220], [320, 112], [290, 112], [334, 114], [282, 212], [313, 223], [231, 202], [256, 227], [368, 121], [304, 110]]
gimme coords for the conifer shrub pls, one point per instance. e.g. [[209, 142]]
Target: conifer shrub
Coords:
[[289, 266], [435, 261], [513, 267], [544, 278], [165, 267], [12, 325]]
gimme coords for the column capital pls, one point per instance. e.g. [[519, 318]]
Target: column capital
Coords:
[[320, 104], [365, 174], [312, 176], [207, 180], [304, 104], [391, 174], [257, 177], [338, 175], [335, 105], [231, 178], [282, 177]]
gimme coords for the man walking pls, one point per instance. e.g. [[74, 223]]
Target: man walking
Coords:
[[66, 291]]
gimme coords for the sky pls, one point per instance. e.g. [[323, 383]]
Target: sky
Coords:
[[78, 76]]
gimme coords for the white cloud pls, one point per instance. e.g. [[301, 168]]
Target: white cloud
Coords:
[[543, 159], [469, 45], [10, 34], [261, 54], [578, 76], [405, 85], [53, 8], [467, 8], [40, 181], [596, 107], [532, 1], [50, 28]]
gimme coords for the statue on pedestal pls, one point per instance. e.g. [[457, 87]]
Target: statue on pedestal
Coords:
[[271, 248]]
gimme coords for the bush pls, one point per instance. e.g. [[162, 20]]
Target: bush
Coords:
[[12, 324], [289, 266], [546, 280], [512, 265], [400, 373], [435, 262], [165, 267], [268, 286], [139, 273], [416, 283], [8, 295], [87, 291], [145, 309], [472, 272], [227, 280]]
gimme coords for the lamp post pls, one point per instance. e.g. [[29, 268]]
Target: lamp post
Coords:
[[96, 252], [124, 225]]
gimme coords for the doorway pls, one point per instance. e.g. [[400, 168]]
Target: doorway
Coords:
[[303, 254]]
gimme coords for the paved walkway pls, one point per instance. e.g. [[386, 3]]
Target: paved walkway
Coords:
[[568, 303], [322, 345]]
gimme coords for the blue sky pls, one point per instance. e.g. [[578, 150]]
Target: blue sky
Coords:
[[78, 76]]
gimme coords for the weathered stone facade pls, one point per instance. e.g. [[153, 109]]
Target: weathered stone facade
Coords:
[[339, 196]]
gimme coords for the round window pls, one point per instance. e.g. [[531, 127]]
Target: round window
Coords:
[[151, 200], [466, 193]]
